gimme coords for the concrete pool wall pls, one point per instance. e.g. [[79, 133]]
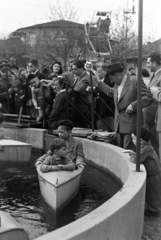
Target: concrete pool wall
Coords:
[[122, 216]]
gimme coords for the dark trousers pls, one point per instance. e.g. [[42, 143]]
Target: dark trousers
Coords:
[[124, 140]]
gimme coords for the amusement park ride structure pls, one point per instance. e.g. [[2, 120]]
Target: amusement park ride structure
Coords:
[[97, 34], [97, 43]]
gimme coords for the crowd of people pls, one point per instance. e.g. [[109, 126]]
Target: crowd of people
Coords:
[[51, 92], [65, 100]]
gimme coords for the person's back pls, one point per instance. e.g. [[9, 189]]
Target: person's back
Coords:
[[61, 105]]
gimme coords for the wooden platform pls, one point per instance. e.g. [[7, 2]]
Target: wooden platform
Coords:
[[15, 151]]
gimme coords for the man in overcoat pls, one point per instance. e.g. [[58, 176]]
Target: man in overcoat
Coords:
[[150, 112], [125, 98]]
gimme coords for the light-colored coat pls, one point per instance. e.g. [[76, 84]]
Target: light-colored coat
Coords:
[[126, 122]]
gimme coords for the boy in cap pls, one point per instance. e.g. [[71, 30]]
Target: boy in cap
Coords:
[[74, 146], [59, 160], [150, 159]]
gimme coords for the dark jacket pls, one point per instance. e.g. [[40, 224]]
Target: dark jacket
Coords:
[[59, 109], [101, 108]]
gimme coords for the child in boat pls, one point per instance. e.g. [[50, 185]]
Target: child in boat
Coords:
[[149, 158], [59, 160]]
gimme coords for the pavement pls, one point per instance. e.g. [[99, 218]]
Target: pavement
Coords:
[[152, 228]]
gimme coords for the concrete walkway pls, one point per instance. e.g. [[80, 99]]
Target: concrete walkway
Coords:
[[152, 228]]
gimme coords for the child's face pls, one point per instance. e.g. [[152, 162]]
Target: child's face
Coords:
[[35, 82], [133, 139], [63, 134], [101, 73], [57, 86], [62, 152]]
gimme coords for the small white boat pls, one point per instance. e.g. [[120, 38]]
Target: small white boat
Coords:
[[10, 229], [59, 187], [14, 151]]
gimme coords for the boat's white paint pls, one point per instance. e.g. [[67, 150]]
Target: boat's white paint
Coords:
[[10, 229], [59, 187], [15, 151]]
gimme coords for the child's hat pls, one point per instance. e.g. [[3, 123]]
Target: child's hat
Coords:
[[145, 134]]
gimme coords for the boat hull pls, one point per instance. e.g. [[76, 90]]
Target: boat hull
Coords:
[[58, 188], [10, 229], [15, 151]]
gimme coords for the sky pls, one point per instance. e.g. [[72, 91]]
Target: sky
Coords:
[[22, 13]]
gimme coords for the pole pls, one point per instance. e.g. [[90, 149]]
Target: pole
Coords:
[[140, 31], [126, 19], [67, 105], [6, 85], [44, 112], [92, 105]]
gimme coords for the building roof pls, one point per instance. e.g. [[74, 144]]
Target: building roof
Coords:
[[53, 24]]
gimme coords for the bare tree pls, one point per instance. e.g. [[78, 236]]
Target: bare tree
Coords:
[[123, 37], [64, 42], [63, 46], [63, 9]]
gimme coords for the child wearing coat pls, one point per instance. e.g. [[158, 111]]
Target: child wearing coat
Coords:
[[58, 158], [150, 159], [37, 97]]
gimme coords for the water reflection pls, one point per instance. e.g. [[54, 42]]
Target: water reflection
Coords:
[[20, 196]]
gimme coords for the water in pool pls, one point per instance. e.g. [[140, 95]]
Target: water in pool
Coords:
[[20, 196]]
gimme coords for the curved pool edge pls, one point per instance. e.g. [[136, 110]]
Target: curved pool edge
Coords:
[[122, 216]]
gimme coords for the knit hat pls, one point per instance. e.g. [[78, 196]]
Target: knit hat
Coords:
[[144, 134]]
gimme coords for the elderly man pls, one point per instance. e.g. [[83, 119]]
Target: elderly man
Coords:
[[125, 99], [150, 113]]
